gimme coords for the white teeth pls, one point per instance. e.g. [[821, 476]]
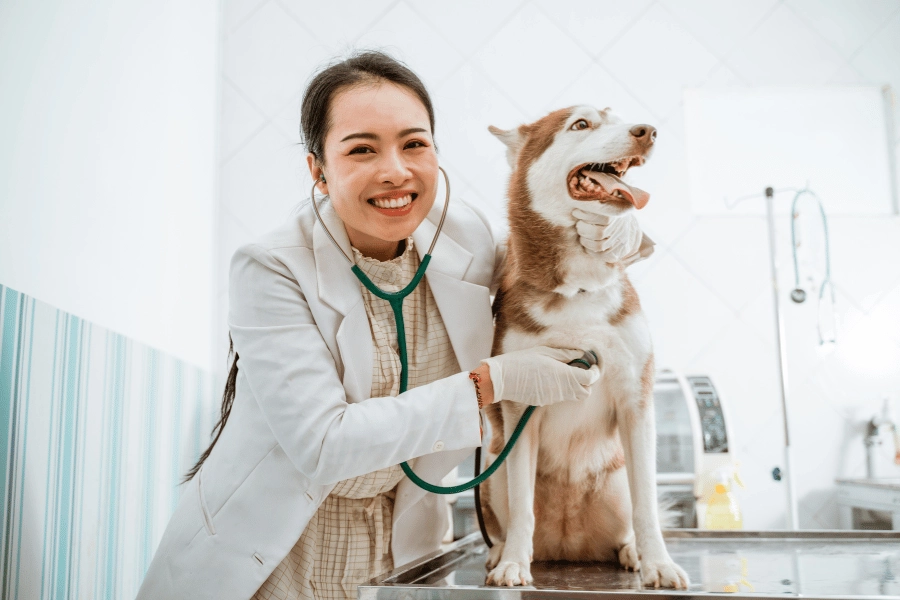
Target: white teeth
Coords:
[[392, 202]]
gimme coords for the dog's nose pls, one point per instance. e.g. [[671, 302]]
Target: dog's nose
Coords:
[[644, 133]]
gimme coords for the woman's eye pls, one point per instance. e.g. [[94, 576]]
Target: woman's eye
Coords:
[[580, 124], [361, 150], [415, 144]]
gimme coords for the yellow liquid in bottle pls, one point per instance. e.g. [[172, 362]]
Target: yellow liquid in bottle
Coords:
[[722, 511]]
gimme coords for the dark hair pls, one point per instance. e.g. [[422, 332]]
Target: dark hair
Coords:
[[369, 66], [227, 400]]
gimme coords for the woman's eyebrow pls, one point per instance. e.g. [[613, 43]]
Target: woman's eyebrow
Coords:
[[406, 132], [372, 136]]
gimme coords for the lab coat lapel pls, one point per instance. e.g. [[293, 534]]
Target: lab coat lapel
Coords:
[[466, 313], [459, 302], [338, 286], [339, 289]]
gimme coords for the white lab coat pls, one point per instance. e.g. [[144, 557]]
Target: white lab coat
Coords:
[[299, 424]]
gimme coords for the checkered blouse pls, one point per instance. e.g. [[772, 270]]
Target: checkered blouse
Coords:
[[348, 540]]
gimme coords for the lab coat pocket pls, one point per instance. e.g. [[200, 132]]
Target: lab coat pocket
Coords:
[[204, 510]]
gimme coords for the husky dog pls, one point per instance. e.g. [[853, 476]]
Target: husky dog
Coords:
[[580, 484]]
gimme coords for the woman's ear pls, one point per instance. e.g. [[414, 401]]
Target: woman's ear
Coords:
[[318, 175]]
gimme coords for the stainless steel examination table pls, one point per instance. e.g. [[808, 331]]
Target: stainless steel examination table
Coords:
[[738, 564]]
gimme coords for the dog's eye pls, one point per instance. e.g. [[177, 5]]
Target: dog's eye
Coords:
[[579, 125]]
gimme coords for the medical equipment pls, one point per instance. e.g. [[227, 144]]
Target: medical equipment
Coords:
[[693, 442], [873, 427], [779, 474], [798, 294], [395, 299]]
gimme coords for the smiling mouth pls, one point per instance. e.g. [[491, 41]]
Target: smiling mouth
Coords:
[[603, 182], [396, 203]]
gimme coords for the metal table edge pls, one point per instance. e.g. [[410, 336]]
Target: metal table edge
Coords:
[[404, 576]]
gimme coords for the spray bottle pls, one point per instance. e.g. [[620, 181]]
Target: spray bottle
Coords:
[[722, 510]]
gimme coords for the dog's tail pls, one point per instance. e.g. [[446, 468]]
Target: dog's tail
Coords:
[[669, 516]]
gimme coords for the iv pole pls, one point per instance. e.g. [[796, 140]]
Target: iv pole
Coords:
[[792, 517]]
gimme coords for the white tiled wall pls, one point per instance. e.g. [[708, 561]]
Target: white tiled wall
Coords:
[[108, 165], [707, 289]]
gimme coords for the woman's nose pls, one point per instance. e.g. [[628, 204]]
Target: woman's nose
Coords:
[[394, 169]]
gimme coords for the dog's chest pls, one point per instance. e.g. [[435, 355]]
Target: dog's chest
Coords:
[[580, 438], [589, 321], [581, 270], [585, 311]]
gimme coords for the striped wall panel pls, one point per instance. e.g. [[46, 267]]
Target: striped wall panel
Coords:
[[96, 431]]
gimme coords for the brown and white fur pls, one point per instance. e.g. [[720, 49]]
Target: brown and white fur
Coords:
[[580, 484]]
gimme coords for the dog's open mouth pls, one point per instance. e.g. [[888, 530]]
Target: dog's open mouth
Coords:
[[603, 182]]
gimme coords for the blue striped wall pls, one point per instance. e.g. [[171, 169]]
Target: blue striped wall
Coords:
[[96, 431]]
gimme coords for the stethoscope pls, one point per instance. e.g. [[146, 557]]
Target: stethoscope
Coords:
[[395, 299], [798, 294]]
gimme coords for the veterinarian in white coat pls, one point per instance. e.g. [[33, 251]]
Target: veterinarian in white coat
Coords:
[[301, 418]]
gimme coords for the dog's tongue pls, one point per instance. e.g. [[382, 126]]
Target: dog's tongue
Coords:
[[611, 183]]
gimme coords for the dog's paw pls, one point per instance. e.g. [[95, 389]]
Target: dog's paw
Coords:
[[494, 555], [510, 573], [663, 573], [628, 557]]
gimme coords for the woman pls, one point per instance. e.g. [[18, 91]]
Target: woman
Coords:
[[301, 495]]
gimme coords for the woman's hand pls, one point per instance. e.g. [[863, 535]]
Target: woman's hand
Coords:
[[612, 239], [537, 376]]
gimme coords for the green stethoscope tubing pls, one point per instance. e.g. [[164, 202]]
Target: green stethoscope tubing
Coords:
[[395, 299]]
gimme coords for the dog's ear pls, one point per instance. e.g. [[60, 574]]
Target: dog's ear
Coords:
[[512, 138]]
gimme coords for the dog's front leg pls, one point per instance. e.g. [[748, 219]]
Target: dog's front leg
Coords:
[[521, 465], [637, 429]]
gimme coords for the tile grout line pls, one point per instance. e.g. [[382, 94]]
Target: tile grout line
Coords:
[[724, 59], [290, 14], [887, 21], [684, 265], [475, 66], [815, 32], [722, 62], [245, 18], [625, 29], [595, 58], [266, 119], [478, 48]]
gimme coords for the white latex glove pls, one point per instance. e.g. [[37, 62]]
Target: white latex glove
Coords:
[[612, 239], [540, 376]]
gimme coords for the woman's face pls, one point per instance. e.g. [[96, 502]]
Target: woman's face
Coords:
[[380, 165]]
